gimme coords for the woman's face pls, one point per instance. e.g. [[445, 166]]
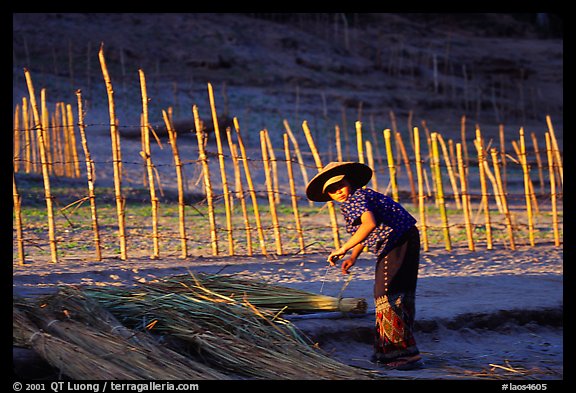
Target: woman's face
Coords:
[[339, 191]]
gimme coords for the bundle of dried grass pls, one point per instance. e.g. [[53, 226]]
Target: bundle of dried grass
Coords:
[[71, 317], [72, 360], [262, 294], [231, 334]]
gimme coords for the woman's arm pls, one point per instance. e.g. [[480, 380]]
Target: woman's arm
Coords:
[[368, 223]]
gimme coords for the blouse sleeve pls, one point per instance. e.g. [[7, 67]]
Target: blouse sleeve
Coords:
[[356, 208]]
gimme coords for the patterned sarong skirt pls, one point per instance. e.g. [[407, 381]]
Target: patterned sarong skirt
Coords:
[[394, 297]]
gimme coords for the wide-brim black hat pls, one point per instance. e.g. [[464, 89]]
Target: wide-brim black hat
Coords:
[[356, 173]]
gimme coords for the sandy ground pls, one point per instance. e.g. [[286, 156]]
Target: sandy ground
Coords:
[[489, 314]]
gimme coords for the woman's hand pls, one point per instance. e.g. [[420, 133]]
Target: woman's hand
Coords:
[[347, 264], [335, 255]]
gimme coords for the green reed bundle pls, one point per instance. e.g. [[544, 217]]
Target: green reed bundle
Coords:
[[262, 294]]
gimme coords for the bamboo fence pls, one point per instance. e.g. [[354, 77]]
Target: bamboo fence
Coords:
[[50, 148]]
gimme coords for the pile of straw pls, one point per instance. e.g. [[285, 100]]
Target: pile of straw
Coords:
[[84, 341], [178, 328]]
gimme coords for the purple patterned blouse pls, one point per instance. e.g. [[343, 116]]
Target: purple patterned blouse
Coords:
[[392, 220]]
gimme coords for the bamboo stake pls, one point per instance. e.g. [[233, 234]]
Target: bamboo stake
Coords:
[[299, 155], [502, 193], [440, 191], [555, 150], [45, 127], [338, 143], [68, 166], [408, 168], [33, 148], [116, 158], [526, 172], [391, 166], [147, 155], [550, 156], [484, 189], [370, 157], [179, 178], [359, 143], [272, 204], [293, 195], [530, 185], [225, 190], [251, 189], [503, 156], [207, 184], [18, 214], [450, 170], [376, 144], [240, 190], [421, 196], [465, 197], [274, 164], [90, 174], [538, 162], [395, 130], [16, 143], [26, 124], [464, 145], [319, 166], [45, 175], [72, 136], [58, 136]]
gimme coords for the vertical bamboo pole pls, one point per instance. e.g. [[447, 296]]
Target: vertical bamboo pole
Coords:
[[465, 197], [464, 145], [271, 202], [370, 157], [179, 178], [395, 130], [391, 166], [89, 176], [338, 143], [116, 158], [538, 162], [298, 154], [27, 144], [421, 196], [408, 167], [503, 156], [45, 175], [147, 155], [251, 189], [376, 144], [274, 164], [293, 195], [17, 200], [225, 190], [240, 190], [555, 150], [68, 165], [550, 156], [207, 184], [526, 173], [16, 143], [505, 209], [484, 189], [319, 166], [440, 191], [73, 150], [450, 170], [359, 143], [45, 127], [530, 185]]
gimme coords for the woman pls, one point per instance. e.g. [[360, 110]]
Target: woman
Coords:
[[389, 231]]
